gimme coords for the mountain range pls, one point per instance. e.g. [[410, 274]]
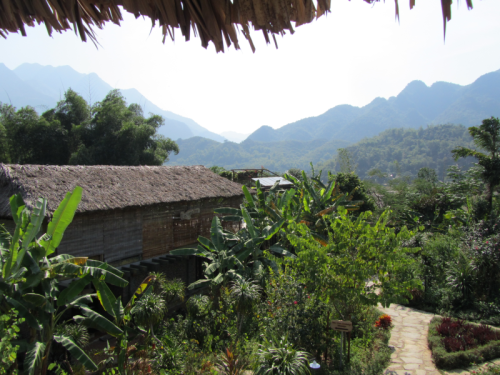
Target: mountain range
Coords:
[[313, 139], [316, 139], [43, 86], [417, 105]]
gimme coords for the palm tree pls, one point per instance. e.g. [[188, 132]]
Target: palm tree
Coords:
[[487, 137]]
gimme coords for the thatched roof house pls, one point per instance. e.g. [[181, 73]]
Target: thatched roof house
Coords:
[[216, 21], [126, 212]]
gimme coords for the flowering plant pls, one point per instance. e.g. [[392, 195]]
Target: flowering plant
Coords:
[[384, 321]]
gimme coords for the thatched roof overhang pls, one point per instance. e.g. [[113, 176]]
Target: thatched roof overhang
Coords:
[[111, 187], [216, 21]]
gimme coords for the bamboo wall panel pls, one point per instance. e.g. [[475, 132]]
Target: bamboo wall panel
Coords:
[[122, 234], [84, 236], [143, 232], [156, 233]]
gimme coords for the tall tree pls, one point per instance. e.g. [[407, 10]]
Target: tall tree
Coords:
[[33, 139], [109, 133], [487, 137], [4, 140], [120, 135]]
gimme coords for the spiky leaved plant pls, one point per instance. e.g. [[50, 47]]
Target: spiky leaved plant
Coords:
[[244, 293]]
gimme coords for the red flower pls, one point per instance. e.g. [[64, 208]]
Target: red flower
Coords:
[[384, 321], [486, 241], [295, 302]]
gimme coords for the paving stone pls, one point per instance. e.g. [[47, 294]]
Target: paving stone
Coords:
[[411, 366], [412, 360], [409, 338], [395, 367]]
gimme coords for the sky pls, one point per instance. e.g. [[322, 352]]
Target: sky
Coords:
[[356, 53]]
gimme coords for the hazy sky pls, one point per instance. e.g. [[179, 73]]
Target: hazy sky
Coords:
[[353, 55]]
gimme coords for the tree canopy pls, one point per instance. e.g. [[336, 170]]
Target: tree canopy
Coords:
[[487, 137], [107, 133]]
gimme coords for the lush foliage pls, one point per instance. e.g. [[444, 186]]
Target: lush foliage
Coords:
[[275, 156], [9, 331], [29, 281], [487, 137], [412, 149], [106, 133]]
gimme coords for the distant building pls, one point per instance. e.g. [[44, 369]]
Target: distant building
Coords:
[[268, 182]]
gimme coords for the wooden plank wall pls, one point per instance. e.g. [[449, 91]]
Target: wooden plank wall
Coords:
[[112, 235], [164, 229], [143, 232]]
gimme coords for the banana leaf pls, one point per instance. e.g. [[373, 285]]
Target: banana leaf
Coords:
[[37, 217], [199, 283], [77, 352], [228, 211], [34, 357], [62, 217], [216, 234], [95, 320], [249, 222], [74, 289], [248, 197], [105, 296], [279, 250], [269, 231]]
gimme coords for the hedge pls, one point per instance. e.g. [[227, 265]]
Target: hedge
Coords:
[[450, 361]]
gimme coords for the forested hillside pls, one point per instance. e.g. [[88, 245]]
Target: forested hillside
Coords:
[[411, 149], [276, 156], [416, 106]]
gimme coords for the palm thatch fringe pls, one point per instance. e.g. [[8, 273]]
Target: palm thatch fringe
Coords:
[[212, 20], [111, 187]]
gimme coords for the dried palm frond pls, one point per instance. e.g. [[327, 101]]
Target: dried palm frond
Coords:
[[215, 21]]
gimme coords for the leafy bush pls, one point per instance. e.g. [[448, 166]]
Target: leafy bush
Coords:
[[278, 356], [350, 183], [448, 353], [9, 330], [291, 310], [459, 336]]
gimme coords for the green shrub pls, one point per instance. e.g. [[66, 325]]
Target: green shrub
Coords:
[[9, 331], [462, 359], [278, 356]]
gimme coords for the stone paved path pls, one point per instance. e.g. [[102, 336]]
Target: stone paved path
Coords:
[[411, 355]]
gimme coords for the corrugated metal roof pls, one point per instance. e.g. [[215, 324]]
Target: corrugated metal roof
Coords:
[[270, 181]]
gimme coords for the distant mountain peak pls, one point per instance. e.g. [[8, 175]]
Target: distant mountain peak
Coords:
[[415, 106]]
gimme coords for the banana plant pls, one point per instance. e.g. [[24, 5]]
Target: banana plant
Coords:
[[230, 256], [121, 328], [29, 281], [223, 252], [270, 212], [317, 200]]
